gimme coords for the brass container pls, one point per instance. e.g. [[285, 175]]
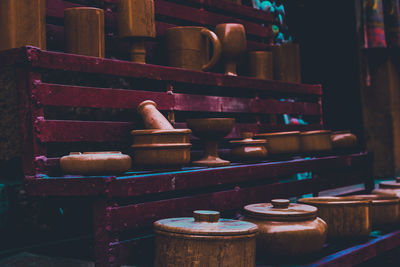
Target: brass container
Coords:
[[187, 47], [281, 142], [204, 240], [136, 23], [161, 148], [152, 118], [84, 31], [343, 140], [315, 141], [260, 65], [22, 22], [95, 163], [248, 149], [384, 210], [345, 218], [234, 45], [286, 229], [390, 184], [287, 62], [211, 131]]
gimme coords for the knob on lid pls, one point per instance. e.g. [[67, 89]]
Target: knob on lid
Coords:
[[206, 216], [281, 210]]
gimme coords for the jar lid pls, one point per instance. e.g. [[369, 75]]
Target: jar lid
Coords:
[[390, 184], [205, 222], [376, 199], [248, 140], [316, 132], [278, 134], [281, 210]]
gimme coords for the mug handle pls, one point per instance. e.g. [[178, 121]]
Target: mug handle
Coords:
[[217, 48]]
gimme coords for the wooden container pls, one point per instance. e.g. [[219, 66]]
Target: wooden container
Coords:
[[22, 22], [260, 65], [84, 31], [345, 218], [287, 62], [286, 229], [204, 240], [248, 149], [136, 23], [281, 142], [315, 141], [384, 210], [390, 184], [343, 140], [161, 148], [95, 163]]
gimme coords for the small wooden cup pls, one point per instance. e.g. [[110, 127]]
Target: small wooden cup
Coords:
[[261, 65], [84, 31]]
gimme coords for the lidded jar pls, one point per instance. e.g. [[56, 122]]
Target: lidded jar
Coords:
[[286, 228], [248, 148], [204, 240]]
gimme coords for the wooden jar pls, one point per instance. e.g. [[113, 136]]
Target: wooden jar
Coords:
[[286, 229], [345, 218], [84, 31], [260, 65], [95, 163], [315, 141], [204, 240], [384, 210], [22, 22], [281, 142], [248, 149]]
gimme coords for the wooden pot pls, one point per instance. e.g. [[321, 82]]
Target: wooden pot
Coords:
[[248, 149], [384, 210], [287, 62], [22, 22], [260, 65], [95, 163], [345, 218], [204, 240], [390, 184], [161, 148], [315, 141], [286, 229], [343, 140], [281, 142]]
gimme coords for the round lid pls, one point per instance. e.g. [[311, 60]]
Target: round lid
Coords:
[[316, 132], [160, 132], [390, 184], [278, 134], [248, 140], [281, 210], [205, 222]]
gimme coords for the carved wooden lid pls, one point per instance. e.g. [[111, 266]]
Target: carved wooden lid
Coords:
[[248, 140], [376, 199], [281, 210], [205, 222]]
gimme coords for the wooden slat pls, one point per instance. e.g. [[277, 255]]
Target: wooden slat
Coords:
[[69, 62], [65, 95]]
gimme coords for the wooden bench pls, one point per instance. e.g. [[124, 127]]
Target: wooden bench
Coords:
[[76, 103]]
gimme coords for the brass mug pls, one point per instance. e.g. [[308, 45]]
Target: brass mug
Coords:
[[188, 47], [260, 65], [84, 31], [22, 22], [234, 44]]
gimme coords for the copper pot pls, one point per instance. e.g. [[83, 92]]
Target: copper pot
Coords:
[[343, 140], [161, 148], [286, 229], [248, 148], [315, 141], [281, 142], [95, 163], [384, 210], [204, 240], [345, 218]]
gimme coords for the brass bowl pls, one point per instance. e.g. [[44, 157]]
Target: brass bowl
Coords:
[[95, 163], [281, 142], [346, 218], [315, 141]]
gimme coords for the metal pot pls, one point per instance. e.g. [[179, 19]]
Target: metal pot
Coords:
[[286, 228], [345, 218], [205, 240]]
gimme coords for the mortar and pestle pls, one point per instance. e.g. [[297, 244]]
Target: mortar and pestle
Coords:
[[160, 146]]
